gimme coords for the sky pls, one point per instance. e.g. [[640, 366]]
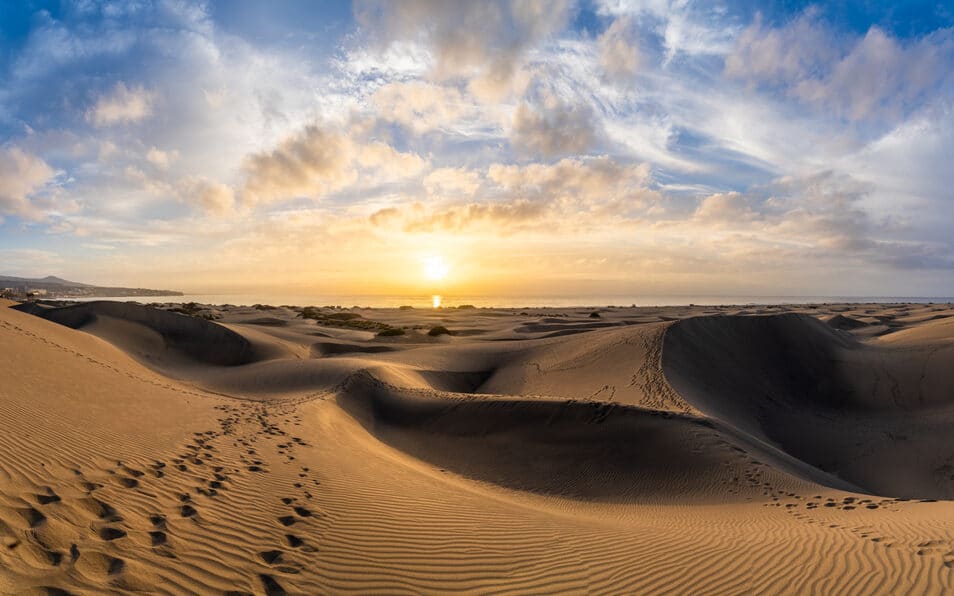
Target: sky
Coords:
[[599, 147]]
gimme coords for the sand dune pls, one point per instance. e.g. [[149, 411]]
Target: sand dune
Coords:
[[672, 449], [155, 335], [876, 416]]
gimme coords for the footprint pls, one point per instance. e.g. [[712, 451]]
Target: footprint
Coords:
[[294, 541], [270, 556], [97, 564], [128, 482], [103, 511], [108, 533], [32, 516], [47, 499], [303, 512], [158, 538], [187, 511], [287, 520], [272, 587]]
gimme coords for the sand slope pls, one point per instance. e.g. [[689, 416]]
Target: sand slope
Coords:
[[876, 416], [654, 452]]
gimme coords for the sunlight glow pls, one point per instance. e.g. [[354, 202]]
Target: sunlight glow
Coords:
[[435, 268], [436, 301]]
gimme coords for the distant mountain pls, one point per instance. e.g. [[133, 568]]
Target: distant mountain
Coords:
[[57, 287], [65, 282], [48, 280]]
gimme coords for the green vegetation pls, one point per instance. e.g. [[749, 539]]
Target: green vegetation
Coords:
[[196, 310], [391, 332], [345, 320], [344, 316]]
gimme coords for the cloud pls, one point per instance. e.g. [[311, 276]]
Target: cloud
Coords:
[[785, 55], [857, 78], [22, 175], [484, 43], [27, 262], [418, 105], [501, 218], [161, 159], [725, 208], [213, 198], [553, 128], [620, 56], [880, 74], [683, 28], [821, 215], [122, 106], [571, 194], [596, 183], [317, 161], [309, 164], [388, 162], [452, 182]]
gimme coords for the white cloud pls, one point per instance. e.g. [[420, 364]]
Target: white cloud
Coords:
[[27, 262], [22, 175], [452, 182], [213, 198], [310, 164], [161, 159], [487, 50], [318, 161], [419, 105], [554, 128], [123, 105], [856, 78], [620, 56], [573, 195], [685, 28]]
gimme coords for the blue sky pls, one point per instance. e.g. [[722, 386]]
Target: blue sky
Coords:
[[563, 147]]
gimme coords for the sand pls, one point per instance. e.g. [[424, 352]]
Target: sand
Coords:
[[786, 449]]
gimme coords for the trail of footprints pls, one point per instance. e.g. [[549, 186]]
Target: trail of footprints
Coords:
[[832, 512], [43, 518]]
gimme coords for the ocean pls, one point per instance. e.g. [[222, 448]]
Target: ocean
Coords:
[[429, 300]]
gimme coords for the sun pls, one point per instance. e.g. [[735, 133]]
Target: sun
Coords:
[[435, 268]]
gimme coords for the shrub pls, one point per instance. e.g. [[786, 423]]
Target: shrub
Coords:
[[439, 330], [343, 316], [406, 307], [467, 306], [391, 332], [594, 315]]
